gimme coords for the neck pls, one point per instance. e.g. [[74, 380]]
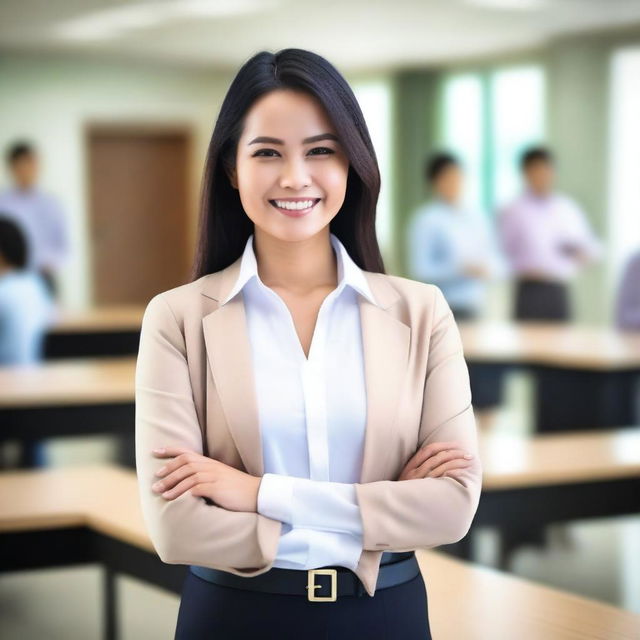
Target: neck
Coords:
[[452, 202], [297, 267]]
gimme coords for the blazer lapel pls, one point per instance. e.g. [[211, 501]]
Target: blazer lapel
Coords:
[[386, 342]]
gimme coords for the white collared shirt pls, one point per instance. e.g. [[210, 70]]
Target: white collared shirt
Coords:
[[312, 415]]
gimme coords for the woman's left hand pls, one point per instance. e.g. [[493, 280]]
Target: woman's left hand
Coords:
[[226, 486]]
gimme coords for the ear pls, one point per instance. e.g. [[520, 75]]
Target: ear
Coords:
[[233, 178]]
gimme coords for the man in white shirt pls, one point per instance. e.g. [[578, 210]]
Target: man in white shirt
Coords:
[[547, 239]]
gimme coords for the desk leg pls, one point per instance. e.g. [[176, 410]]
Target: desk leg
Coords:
[[110, 622], [510, 539], [126, 450], [32, 454]]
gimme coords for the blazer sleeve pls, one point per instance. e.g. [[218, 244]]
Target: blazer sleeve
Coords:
[[426, 512], [187, 529]]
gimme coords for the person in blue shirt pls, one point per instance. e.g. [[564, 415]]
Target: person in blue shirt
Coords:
[[26, 309], [450, 243], [453, 246], [26, 306]]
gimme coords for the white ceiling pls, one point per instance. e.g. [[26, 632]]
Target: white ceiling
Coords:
[[355, 35]]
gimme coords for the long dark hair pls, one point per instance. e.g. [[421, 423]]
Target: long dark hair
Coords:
[[224, 226], [13, 244]]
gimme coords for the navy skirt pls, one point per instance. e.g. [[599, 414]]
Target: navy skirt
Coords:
[[213, 612]]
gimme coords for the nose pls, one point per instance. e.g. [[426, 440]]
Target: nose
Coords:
[[295, 175]]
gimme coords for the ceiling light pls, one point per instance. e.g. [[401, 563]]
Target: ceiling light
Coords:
[[114, 22], [511, 5]]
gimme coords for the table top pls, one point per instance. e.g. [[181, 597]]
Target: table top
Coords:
[[580, 346], [77, 381], [559, 458], [466, 601], [571, 346], [107, 318]]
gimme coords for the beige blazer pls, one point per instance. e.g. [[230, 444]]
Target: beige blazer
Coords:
[[195, 388]]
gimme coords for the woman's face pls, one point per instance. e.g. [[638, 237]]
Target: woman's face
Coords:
[[278, 163]]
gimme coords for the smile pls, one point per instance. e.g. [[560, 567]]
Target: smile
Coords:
[[295, 209]]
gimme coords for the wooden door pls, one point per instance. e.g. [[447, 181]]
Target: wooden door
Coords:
[[140, 215]]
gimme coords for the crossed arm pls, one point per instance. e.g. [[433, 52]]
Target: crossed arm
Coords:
[[418, 512]]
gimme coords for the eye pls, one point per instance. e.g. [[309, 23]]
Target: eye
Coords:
[[263, 153], [329, 151]]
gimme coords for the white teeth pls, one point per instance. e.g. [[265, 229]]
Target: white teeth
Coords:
[[283, 204]]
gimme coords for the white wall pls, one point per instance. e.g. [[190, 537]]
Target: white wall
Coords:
[[49, 100]]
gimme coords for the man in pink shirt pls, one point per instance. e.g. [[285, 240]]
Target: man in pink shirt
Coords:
[[546, 239]]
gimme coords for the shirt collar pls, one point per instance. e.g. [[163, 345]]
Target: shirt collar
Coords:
[[348, 271]]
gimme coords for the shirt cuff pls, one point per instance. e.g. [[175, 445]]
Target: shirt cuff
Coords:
[[275, 497], [310, 504], [326, 506]]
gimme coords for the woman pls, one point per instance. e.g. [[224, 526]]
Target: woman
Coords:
[[303, 420]]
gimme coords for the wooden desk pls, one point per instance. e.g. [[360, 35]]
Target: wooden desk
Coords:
[[586, 377], [69, 397], [91, 514], [529, 483], [96, 331]]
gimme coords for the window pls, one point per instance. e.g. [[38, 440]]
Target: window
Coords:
[[624, 142], [374, 98], [489, 117], [517, 118], [463, 130]]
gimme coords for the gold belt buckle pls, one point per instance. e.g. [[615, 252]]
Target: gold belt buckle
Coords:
[[311, 586]]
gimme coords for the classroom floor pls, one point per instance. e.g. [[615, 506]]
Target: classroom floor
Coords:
[[597, 558]]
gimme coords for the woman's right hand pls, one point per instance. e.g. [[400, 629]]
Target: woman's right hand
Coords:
[[435, 460]]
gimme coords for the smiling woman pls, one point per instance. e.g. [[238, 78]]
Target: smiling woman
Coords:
[[303, 420]]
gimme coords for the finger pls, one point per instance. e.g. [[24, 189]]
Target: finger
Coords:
[[433, 448], [448, 466], [164, 452], [453, 473], [427, 451], [438, 458], [185, 485], [182, 472], [181, 459]]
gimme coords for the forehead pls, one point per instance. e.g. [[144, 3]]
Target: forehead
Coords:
[[538, 164], [287, 114]]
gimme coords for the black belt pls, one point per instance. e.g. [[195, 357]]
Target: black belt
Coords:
[[324, 584]]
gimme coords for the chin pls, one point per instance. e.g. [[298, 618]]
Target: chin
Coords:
[[292, 230]]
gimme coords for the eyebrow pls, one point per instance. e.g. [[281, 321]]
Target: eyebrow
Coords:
[[320, 136]]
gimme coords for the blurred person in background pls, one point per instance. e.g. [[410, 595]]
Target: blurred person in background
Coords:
[[39, 214], [628, 299], [26, 307], [26, 310], [547, 239], [453, 246]]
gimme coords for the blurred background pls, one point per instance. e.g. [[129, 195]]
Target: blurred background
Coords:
[[507, 135]]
